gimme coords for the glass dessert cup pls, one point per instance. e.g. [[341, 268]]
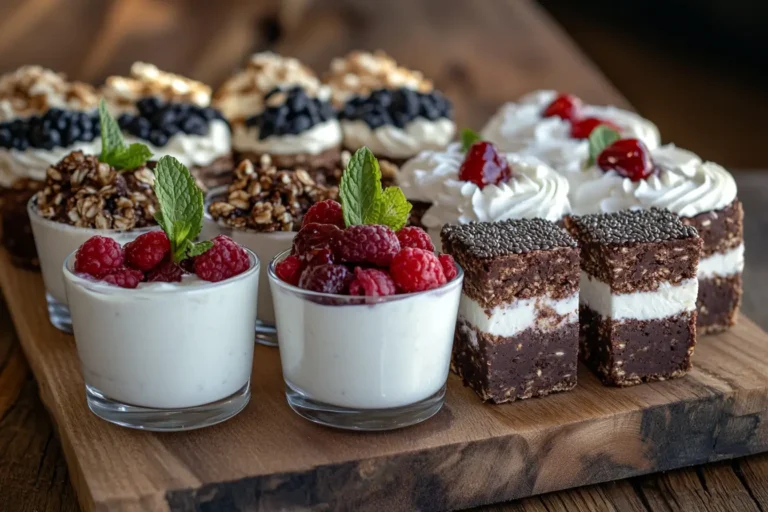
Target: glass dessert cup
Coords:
[[167, 357], [266, 246], [365, 363], [54, 242]]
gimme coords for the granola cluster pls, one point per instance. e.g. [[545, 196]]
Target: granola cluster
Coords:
[[83, 192], [147, 80], [34, 90], [359, 73], [243, 95], [267, 199]]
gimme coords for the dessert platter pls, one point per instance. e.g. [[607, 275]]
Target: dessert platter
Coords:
[[302, 291]]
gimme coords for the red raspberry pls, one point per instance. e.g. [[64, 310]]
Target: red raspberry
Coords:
[[582, 128], [326, 279], [166, 272], [324, 212], [289, 270], [483, 165], [449, 266], [97, 256], [372, 282], [222, 261], [629, 158], [324, 256], [416, 270], [124, 277], [147, 251], [375, 244], [565, 106], [315, 236], [412, 236]]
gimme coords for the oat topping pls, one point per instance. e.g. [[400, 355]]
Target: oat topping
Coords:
[[33, 90], [86, 193], [243, 95], [147, 80], [359, 73], [264, 198]]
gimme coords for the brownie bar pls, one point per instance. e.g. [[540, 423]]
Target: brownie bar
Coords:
[[17, 230], [718, 303], [720, 230], [419, 208]]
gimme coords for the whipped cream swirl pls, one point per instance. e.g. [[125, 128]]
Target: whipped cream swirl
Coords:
[[534, 191], [422, 177], [313, 141], [392, 142], [684, 184], [192, 150]]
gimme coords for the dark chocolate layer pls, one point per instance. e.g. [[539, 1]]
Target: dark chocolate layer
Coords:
[[216, 173], [419, 208], [628, 352], [721, 230], [718, 303], [503, 369]]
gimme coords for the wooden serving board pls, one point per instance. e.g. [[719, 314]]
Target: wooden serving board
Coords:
[[268, 458]]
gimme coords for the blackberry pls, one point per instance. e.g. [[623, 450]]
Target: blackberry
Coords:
[[396, 107], [157, 121], [298, 113]]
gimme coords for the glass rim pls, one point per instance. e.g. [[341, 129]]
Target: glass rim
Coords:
[[70, 275], [221, 189], [34, 213], [361, 299]]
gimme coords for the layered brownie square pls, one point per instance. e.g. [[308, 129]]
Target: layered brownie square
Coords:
[[517, 329], [637, 299]]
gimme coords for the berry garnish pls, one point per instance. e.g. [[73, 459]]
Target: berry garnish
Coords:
[[565, 106], [166, 272], [326, 279], [289, 270], [323, 256], [147, 251], [315, 236], [374, 244], [582, 128], [483, 165], [124, 277], [222, 261], [628, 157], [98, 256], [372, 282], [416, 270], [325, 212], [449, 266], [412, 236]]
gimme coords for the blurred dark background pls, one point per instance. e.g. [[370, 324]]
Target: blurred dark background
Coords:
[[695, 67]]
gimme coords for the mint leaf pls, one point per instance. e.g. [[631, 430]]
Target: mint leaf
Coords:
[[392, 208], [196, 249], [469, 137], [600, 138], [181, 207], [360, 188], [131, 157], [113, 148]]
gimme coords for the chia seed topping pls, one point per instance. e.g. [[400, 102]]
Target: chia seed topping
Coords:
[[515, 236], [630, 227]]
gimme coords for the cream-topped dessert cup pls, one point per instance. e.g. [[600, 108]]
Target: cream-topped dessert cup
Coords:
[[365, 363], [54, 242], [266, 245], [165, 356]]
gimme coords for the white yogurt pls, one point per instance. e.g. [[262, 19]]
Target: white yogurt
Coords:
[[366, 356], [56, 240], [165, 345]]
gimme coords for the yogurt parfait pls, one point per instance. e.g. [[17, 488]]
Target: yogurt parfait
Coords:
[[365, 309], [164, 324]]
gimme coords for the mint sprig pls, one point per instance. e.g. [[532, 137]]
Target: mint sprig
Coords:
[[600, 138], [114, 150], [469, 137], [181, 208], [362, 199]]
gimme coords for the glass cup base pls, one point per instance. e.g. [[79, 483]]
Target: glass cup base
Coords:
[[266, 334], [166, 420], [58, 314], [363, 419]]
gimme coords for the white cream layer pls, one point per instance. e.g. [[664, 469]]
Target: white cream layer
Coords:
[[722, 264], [317, 139], [510, 319], [192, 150], [33, 162], [667, 300], [389, 141]]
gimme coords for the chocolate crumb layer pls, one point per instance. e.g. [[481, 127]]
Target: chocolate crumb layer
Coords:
[[17, 230], [721, 230], [718, 303], [629, 352], [629, 227]]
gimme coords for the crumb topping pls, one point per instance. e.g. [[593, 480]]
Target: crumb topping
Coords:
[[84, 192], [515, 236], [360, 73], [630, 227], [147, 80], [32, 90], [264, 198]]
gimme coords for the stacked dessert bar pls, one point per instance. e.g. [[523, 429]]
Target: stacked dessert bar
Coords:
[[638, 288], [517, 328]]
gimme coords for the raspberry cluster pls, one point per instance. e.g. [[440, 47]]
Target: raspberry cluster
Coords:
[[365, 260], [148, 259]]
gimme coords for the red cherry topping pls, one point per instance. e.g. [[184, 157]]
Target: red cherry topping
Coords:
[[565, 106], [483, 165], [582, 128], [629, 158]]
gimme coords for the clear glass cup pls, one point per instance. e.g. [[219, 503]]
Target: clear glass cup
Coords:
[[365, 363], [54, 242], [266, 246], [165, 356]]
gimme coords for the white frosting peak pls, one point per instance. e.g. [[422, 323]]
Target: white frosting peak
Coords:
[[393, 142], [313, 141]]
